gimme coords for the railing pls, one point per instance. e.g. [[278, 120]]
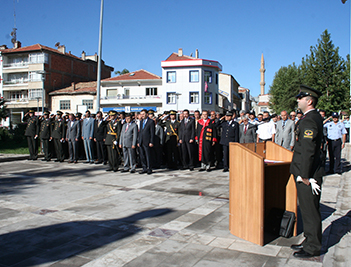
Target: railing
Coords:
[[16, 65], [12, 101], [17, 81], [132, 97]]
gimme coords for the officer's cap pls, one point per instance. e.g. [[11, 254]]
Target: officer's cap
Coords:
[[112, 113], [151, 111], [172, 112], [46, 113], [308, 91], [79, 114], [59, 112], [229, 113], [335, 115], [31, 111]]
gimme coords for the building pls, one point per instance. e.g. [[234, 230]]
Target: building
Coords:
[[28, 74], [75, 98], [132, 92], [190, 83], [245, 99], [228, 89]]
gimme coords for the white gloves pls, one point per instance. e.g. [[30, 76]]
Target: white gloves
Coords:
[[314, 186], [115, 143]]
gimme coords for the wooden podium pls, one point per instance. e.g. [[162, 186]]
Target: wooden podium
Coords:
[[259, 181]]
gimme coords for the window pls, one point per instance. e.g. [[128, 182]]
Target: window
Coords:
[[17, 62], [208, 76], [35, 93], [65, 104], [34, 77], [208, 98], [216, 78], [151, 91], [216, 99], [171, 76], [194, 76], [126, 93], [16, 78], [88, 102], [16, 96], [194, 97], [171, 98], [111, 93], [36, 58]]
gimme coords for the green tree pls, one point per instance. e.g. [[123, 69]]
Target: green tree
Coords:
[[325, 70], [124, 71], [285, 87], [4, 113]]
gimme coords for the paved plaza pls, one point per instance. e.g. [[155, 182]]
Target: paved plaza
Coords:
[[60, 214]]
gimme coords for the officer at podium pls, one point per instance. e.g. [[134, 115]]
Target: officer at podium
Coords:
[[308, 170]]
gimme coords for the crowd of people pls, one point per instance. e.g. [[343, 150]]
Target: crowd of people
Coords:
[[168, 140]]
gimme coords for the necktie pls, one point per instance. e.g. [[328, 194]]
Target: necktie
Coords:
[[283, 124], [127, 127], [144, 122], [245, 129]]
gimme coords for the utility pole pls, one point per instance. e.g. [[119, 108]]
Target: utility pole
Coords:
[[99, 59]]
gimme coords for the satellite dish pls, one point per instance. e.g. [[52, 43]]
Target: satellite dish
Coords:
[[57, 44]]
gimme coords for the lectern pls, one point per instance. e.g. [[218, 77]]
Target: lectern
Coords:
[[260, 180]]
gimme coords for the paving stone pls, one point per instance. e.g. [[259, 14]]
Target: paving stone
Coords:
[[221, 242], [249, 259], [268, 250]]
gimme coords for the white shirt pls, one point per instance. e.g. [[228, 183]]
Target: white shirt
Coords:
[[266, 130]]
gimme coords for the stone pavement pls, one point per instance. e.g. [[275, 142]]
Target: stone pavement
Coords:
[[59, 214]]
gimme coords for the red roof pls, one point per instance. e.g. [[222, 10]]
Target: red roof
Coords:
[[263, 104], [78, 88], [175, 57], [136, 75], [36, 47]]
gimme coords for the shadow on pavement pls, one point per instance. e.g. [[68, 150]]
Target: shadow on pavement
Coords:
[[60, 241]]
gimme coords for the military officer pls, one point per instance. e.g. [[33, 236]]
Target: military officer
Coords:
[[336, 138], [114, 127], [171, 141], [45, 135], [308, 170], [32, 133], [58, 134]]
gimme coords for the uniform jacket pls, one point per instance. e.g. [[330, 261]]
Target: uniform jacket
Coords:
[[146, 133], [113, 130], [32, 128], [230, 132], [88, 128], [45, 129], [285, 137], [129, 137], [74, 131], [58, 130], [250, 136], [172, 129], [307, 160], [187, 132], [100, 130]]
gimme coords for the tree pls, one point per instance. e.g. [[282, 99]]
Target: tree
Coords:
[[285, 87], [124, 71], [4, 113], [327, 72]]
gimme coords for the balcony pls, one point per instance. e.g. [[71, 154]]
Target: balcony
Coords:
[[16, 65], [14, 101], [17, 81], [133, 99]]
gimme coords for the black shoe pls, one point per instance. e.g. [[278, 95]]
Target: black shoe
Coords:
[[29, 159], [149, 172], [57, 160], [143, 171], [105, 163], [124, 170], [76, 161], [48, 160], [132, 171], [70, 161], [201, 170], [98, 162], [116, 170], [297, 247], [208, 170], [330, 172], [34, 159], [303, 254], [61, 160], [109, 170], [191, 169], [225, 170], [43, 160], [339, 173]]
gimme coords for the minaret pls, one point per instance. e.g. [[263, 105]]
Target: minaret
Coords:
[[262, 70]]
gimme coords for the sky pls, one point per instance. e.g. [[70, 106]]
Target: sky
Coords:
[[139, 34]]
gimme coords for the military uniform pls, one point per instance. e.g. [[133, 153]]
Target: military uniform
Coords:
[[171, 142], [45, 134], [58, 134], [113, 131], [307, 163], [32, 132]]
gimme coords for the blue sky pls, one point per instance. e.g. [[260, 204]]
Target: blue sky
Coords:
[[140, 34]]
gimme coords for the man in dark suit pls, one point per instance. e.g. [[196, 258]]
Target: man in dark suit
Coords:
[[146, 141], [72, 137], [247, 131], [100, 131], [187, 140], [58, 134], [308, 170], [32, 133], [45, 134], [230, 133], [112, 138]]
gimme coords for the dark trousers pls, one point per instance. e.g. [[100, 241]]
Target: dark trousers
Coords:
[[187, 154], [145, 157], [113, 157], [33, 147], [101, 151], [172, 152], [226, 157], [47, 149], [334, 149], [311, 217], [59, 149], [73, 149]]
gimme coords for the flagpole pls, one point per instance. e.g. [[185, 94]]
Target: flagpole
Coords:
[[99, 59]]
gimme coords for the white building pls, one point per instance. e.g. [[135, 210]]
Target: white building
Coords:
[[245, 98], [190, 83], [228, 91], [132, 92]]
